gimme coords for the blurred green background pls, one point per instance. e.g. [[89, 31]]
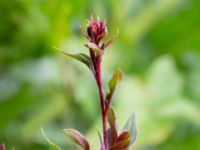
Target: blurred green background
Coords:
[[158, 50]]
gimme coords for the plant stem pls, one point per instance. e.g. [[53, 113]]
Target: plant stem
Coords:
[[103, 107]]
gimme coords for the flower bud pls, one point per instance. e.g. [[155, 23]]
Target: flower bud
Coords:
[[96, 30]]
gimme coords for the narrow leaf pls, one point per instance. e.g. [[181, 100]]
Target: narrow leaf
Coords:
[[51, 144], [117, 76], [113, 126], [130, 126], [77, 138], [85, 59], [101, 141]]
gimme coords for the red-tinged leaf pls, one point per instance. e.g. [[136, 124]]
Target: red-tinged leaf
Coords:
[[77, 138], [121, 145], [2, 147], [124, 136], [113, 126], [51, 144], [85, 59], [130, 126]]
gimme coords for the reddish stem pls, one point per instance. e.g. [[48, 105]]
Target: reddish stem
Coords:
[[103, 107]]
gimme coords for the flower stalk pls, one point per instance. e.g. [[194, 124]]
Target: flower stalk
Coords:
[[96, 31], [103, 106]]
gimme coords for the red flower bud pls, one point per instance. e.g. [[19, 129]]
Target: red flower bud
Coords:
[[96, 30]]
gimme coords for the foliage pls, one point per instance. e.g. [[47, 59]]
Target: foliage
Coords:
[[158, 51]]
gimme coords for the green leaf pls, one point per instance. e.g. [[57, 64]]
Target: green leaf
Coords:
[[111, 117], [51, 144], [113, 126], [77, 138], [80, 57], [130, 126], [117, 76]]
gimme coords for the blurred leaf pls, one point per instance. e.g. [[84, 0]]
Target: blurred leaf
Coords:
[[164, 79], [130, 126], [178, 39], [77, 138], [52, 145], [17, 104], [41, 115], [2, 147]]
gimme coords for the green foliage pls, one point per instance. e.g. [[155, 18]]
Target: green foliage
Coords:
[[158, 50]]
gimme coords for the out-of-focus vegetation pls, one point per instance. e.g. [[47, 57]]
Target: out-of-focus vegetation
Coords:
[[158, 50]]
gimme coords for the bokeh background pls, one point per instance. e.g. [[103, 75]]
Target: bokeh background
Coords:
[[158, 50]]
